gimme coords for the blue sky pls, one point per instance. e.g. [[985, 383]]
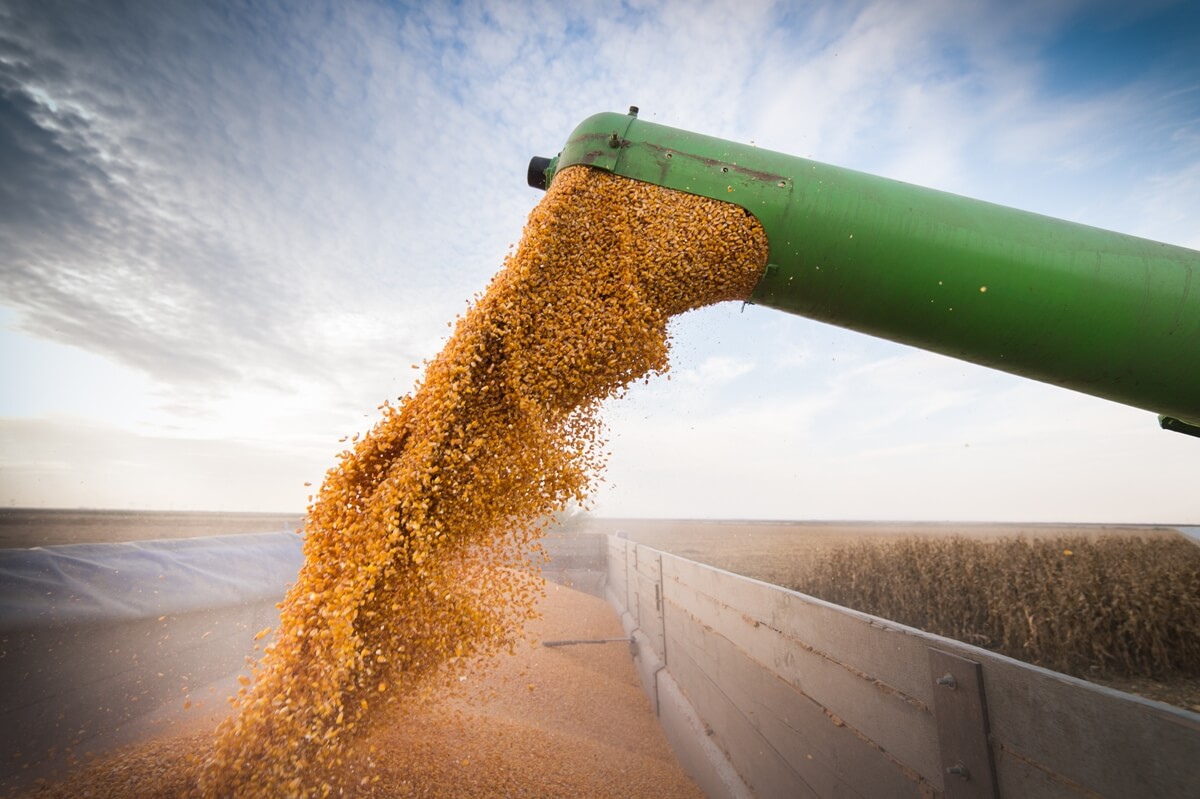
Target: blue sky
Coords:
[[227, 231]]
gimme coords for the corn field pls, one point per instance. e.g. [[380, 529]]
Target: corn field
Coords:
[[1119, 606]]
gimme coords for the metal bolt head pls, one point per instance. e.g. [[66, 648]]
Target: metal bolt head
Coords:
[[959, 770], [614, 140]]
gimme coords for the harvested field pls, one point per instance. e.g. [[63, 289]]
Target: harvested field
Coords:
[[567, 721], [43, 527], [772, 551]]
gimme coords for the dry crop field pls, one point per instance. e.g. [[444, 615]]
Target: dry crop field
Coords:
[[43, 527], [1117, 605]]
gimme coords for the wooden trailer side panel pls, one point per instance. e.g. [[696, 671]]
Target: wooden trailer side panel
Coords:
[[811, 699]]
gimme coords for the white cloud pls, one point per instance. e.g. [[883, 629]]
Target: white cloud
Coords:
[[253, 224]]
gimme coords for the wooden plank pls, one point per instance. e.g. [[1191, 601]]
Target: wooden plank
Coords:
[[651, 623], [586, 581], [1073, 736], [904, 729], [647, 664], [649, 562], [630, 583], [564, 552], [1019, 778], [752, 755], [694, 748], [894, 657], [820, 752], [616, 569], [1091, 738], [648, 589]]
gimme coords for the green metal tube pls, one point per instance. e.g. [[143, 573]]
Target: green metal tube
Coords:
[[1098, 312]]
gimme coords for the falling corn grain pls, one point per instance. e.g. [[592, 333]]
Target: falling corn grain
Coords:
[[411, 541]]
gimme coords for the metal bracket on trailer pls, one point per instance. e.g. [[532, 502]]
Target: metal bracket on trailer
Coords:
[[960, 710]]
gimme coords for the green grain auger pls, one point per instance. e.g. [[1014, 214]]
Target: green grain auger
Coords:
[[1103, 313]]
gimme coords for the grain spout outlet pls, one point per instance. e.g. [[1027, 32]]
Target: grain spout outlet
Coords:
[[1091, 310], [538, 168]]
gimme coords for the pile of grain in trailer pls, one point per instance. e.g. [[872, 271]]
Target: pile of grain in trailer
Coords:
[[557, 722]]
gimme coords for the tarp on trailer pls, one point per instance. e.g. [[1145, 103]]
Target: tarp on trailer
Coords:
[[81, 583]]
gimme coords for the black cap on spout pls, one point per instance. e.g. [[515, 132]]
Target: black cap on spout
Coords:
[[537, 172]]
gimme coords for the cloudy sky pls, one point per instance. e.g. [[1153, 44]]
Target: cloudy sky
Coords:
[[227, 231]]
